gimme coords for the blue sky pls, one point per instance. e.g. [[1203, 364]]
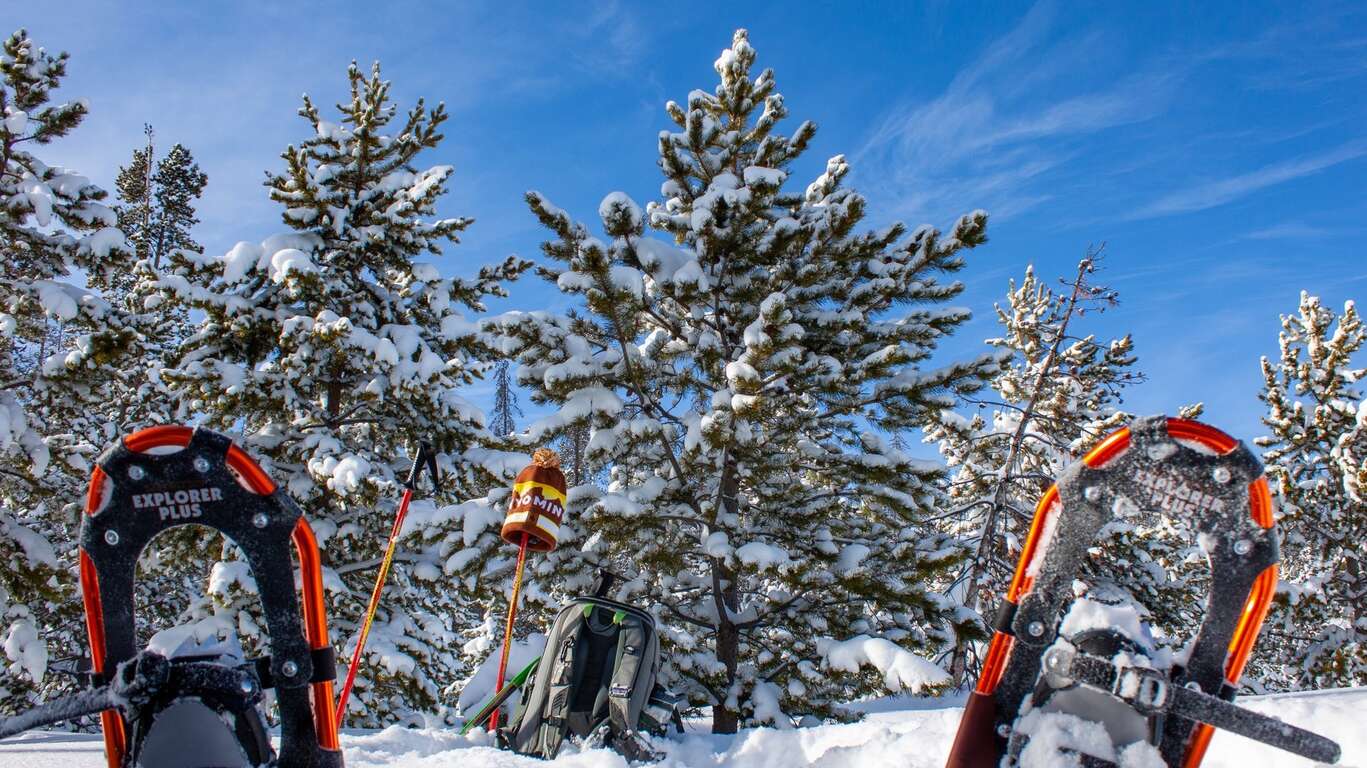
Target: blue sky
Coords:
[[1219, 150]]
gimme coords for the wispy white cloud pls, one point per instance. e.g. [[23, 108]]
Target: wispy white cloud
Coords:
[[612, 39], [1004, 124], [1309, 52], [1289, 230], [1221, 191]]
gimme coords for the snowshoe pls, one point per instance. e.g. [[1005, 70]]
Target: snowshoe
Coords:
[[1070, 681], [181, 703]]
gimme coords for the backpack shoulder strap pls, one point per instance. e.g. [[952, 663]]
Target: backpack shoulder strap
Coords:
[[631, 642], [565, 673]]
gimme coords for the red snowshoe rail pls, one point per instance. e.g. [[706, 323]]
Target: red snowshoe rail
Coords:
[[253, 478]]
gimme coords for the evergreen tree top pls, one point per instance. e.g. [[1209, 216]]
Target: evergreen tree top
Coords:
[[352, 179], [51, 219], [30, 76], [748, 254]]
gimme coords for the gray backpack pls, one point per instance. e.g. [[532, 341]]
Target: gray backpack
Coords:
[[596, 681]]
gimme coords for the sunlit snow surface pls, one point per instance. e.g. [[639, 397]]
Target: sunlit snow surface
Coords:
[[903, 732]]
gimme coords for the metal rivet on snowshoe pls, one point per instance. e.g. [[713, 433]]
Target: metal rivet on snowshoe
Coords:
[[136, 472], [1003, 730], [1035, 628], [260, 520], [1192, 685], [201, 464], [1093, 493], [289, 669], [1221, 475], [1243, 547], [111, 538]]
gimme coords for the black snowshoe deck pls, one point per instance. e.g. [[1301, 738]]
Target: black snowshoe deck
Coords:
[[1184, 470], [165, 477]]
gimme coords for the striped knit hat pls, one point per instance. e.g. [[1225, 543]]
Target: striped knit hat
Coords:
[[537, 507]]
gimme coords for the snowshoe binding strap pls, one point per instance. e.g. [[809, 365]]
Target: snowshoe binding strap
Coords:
[[164, 477], [135, 682], [1188, 471], [1151, 693]]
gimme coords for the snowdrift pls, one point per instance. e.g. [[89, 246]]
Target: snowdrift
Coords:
[[900, 732]]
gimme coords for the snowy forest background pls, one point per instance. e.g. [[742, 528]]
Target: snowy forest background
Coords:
[[762, 428]]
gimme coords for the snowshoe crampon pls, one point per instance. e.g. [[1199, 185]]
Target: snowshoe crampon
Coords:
[[1093, 693], [202, 710]]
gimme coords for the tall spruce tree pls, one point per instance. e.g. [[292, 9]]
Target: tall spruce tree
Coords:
[[503, 419], [741, 380], [157, 201], [59, 338], [573, 447], [1316, 458], [1057, 394], [156, 212], [332, 350]]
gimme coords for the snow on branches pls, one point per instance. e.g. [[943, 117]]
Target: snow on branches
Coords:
[[1316, 458], [1058, 392], [61, 341]]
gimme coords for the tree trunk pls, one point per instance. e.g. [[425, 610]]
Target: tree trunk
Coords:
[[727, 597], [334, 399], [725, 719]]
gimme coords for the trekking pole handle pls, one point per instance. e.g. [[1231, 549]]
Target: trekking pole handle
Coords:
[[423, 459]]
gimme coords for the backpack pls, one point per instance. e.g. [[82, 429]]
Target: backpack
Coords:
[[596, 680]]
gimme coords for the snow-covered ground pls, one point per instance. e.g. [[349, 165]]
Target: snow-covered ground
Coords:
[[905, 733]]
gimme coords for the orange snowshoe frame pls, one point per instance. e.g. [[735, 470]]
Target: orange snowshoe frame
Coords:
[[169, 476], [981, 739]]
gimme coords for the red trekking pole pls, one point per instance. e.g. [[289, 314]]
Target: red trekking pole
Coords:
[[425, 458]]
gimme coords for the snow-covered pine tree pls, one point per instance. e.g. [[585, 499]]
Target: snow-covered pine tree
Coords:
[[573, 447], [742, 381], [1057, 394], [157, 200], [1316, 458], [332, 350], [156, 211], [59, 339]]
